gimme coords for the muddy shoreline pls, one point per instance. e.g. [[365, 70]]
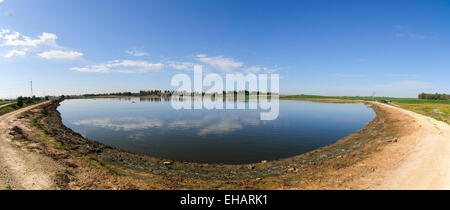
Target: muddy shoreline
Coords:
[[52, 124], [86, 164]]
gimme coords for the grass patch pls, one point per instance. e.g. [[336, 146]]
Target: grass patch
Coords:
[[5, 102], [14, 107], [369, 98], [9, 108], [437, 111]]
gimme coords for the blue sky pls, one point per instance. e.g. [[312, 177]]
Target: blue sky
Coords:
[[392, 48]]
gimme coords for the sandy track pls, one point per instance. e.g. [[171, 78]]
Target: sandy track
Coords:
[[19, 168], [5, 105], [426, 163]]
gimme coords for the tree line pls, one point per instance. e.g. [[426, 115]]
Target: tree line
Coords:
[[165, 93], [140, 93], [23, 101], [435, 96]]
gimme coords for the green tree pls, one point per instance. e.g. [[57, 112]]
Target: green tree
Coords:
[[20, 101]]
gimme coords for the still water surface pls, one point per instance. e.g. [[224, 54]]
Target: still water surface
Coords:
[[152, 127]]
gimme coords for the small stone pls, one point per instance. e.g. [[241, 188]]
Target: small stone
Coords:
[[393, 140], [291, 170], [167, 163], [264, 161], [258, 179]]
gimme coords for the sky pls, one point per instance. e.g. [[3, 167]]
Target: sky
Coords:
[[352, 48]]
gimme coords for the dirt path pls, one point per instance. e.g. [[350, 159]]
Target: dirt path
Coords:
[[5, 105], [420, 160], [19, 168]]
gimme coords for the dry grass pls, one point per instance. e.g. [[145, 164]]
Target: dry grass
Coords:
[[438, 111]]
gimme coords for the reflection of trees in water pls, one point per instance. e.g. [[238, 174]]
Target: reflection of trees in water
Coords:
[[191, 98], [153, 99], [166, 99], [124, 99]]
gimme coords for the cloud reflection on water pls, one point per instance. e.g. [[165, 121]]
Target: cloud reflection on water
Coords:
[[210, 124], [214, 124], [123, 123]]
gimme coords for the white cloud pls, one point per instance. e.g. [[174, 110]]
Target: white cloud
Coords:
[[230, 65], [101, 68], [411, 35], [44, 46], [404, 31], [17, 39], [136, 53], [4, 31], [342, 75], [13, 53], [1, 1], [393, 86], [405, 85], [181, 65], [401, 27], [405, 75], [125, 66], [257, 69], [221, 63], [59, 54], [252, 69]]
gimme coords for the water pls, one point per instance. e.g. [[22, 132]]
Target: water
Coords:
[[152, 127]]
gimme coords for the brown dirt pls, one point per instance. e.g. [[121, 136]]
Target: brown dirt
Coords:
[[38, 152], [31, 160], [345, 171], [5, 105], [421, 160], [19, 168]]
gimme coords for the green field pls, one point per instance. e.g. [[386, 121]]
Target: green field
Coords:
[[14, 106], [438, 109], [5, 102], [9, 108], [397, 100]]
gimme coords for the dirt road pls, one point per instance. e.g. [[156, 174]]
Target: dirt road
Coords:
[[426, 163], [19, 168], [5, 105]]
